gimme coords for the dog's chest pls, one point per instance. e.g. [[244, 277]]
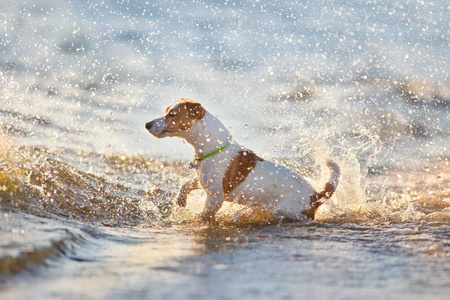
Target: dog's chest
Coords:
[[211, 172]]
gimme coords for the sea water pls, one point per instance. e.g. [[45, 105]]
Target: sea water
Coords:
[[86, 193]]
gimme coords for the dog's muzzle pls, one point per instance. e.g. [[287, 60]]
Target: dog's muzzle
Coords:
[[156, 128]]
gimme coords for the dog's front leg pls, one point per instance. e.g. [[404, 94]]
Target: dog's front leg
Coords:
[[185, 190], [212, 206]]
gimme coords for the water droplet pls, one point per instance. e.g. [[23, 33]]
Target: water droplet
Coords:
[[426, 169], [439, 178]]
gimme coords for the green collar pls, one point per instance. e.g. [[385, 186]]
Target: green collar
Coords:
[[197, 159]]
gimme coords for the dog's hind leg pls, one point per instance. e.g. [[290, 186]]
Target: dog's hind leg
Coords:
[[185, 190], [310, 212]]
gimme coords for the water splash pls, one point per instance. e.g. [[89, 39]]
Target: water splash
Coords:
[[371, 194], [132, 190]]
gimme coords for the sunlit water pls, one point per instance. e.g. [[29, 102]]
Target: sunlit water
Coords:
[[86, 193]]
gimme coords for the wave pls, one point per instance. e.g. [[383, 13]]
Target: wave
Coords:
[[120, 190], [43, 185], [34, 241]]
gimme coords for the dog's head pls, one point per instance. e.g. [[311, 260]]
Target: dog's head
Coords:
[[178, 119]]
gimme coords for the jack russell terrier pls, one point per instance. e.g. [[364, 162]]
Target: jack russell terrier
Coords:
[[229, 172]]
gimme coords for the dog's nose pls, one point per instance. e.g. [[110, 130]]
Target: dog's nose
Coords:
[[149, 125]]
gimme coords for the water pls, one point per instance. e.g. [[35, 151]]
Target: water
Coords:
[[86, 193]]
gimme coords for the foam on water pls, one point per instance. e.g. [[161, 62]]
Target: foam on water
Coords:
[[127, 190]]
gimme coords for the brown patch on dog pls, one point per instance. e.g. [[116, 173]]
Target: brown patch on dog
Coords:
[[182, 114], [314, 203], [238, 169]]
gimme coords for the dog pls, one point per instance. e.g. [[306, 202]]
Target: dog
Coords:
[[229, 172]]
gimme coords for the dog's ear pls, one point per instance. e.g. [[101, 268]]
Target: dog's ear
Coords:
[[195, 110]]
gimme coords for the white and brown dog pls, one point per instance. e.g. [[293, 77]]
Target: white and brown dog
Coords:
[[229, 172]]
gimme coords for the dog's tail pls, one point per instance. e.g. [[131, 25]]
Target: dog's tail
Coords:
[[327, 192], [331, 185]]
